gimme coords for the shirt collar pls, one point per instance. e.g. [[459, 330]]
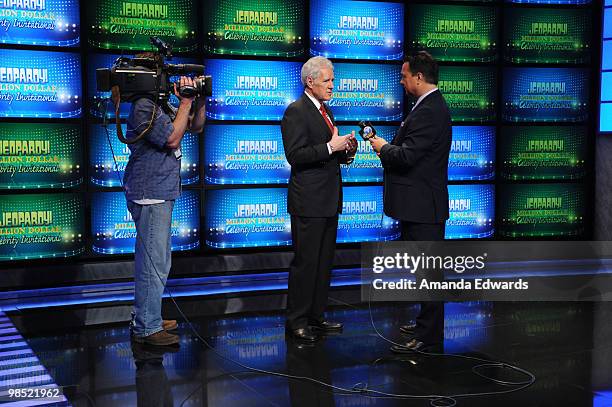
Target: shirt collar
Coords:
[[315, 101], [423, 96]]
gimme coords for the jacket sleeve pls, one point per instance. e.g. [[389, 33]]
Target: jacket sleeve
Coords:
[[295, 140], [417, 142]]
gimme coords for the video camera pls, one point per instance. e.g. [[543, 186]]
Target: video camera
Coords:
[[149, 76]]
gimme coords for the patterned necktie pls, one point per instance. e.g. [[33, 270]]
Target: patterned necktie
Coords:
[[327, 121]]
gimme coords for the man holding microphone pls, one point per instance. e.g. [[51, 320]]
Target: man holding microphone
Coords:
[[416, 177], [315, 151]]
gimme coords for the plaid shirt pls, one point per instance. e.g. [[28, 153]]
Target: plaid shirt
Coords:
[[153, 171]]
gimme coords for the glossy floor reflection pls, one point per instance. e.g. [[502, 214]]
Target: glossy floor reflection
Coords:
[[567, 346]]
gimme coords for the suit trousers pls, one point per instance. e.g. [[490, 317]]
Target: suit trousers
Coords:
[[430, 320], [314, 245]]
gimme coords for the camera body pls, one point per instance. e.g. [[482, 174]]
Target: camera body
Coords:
[[149, 76]]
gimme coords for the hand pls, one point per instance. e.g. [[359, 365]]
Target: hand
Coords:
[[339, 143], [184, 81], [351, 147], [377, 143]]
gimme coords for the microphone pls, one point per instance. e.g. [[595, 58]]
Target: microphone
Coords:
[[366, 131]]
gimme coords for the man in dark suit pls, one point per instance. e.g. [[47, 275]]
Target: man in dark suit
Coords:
[[315, 151], [416, 179]]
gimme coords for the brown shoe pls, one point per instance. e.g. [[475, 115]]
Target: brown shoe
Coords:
[[161, 338], [169, 324]]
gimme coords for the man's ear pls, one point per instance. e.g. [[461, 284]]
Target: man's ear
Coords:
[[309, 82]]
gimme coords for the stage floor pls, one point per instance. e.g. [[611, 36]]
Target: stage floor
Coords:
[[567, 346]]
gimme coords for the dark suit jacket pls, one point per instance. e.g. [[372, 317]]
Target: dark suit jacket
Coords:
[[416, 164], [315, 185]]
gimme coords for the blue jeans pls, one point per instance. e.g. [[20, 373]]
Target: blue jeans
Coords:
[[152, 263]]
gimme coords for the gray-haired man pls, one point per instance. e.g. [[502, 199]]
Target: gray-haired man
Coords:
[[315, 151]]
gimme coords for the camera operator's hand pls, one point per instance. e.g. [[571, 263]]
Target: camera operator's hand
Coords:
[[184, 81], [181, 121], [198, 116]]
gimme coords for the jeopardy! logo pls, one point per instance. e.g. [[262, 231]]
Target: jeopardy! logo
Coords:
[[537, 203], [461, 146], [23, 75], [256, 82], [358, 23], [256, 210], [357, 85], [24, 147], [455, 26], [546, 88], [456, 87], [23, 4], [358, 207], [26, 218], [548, 29], [256, 147], [457, 205], [545, 146], [144, 10], [256, 17]]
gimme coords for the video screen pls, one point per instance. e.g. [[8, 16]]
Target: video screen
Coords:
[[40, 84], [39, 226], [471, 212], [114, 231], [454, 33], [237, 218], [470, 92], [541, 210], [346, 29], [41, 155], [543, 152], [244, 154], [367, 92], [40, 22], [241, 218], [605, 112], [472, 154], [548, 2], [251, 27], [252, 90], [362, 218], [546, 94], [547, 36], [128, 25]]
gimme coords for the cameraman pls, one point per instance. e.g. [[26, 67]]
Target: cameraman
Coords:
[[152, 183]]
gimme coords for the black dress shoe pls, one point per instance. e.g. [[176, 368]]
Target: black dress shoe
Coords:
[[412, 346], [302, 334], [326, 326], [408, 329]]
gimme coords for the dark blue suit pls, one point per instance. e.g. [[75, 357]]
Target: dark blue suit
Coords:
[[416, 190]]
